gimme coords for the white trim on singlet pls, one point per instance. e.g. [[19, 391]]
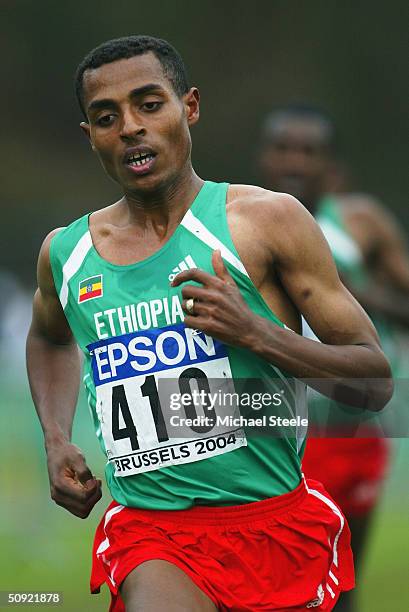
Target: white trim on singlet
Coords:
[[301, 403], [196, 227], [342, 245], [73, 264]]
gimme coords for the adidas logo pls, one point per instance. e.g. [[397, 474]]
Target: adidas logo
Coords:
[[186, 264], [318, 601]]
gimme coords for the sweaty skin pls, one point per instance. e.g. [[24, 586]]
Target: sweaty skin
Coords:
[[131, 106]]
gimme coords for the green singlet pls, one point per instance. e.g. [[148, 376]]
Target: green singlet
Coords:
[[128, 322], [346, 253]]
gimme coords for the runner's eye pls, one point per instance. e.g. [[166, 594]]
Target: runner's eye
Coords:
[[152, 106], [105, 120]]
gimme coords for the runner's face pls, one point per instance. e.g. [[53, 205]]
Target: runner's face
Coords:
[[295, 159], [133, 111]]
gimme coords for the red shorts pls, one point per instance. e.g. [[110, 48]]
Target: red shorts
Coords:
[[290, 552], [351, 469]]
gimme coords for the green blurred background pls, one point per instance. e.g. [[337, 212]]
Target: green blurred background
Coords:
[[350, 58]]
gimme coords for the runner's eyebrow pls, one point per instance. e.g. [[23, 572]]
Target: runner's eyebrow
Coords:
[[149, 88], [137, 92]]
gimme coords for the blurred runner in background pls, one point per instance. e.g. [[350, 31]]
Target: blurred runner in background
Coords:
[[15, 309], [297, 155]]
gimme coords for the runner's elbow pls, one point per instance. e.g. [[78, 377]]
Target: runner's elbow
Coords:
[[381, 388]]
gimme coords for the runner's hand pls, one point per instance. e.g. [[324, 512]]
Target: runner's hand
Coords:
[[219, 308], [72, 484]]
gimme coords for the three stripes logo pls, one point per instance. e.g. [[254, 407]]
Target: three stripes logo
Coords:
[[90, 288], [186, 264], [315, 603]]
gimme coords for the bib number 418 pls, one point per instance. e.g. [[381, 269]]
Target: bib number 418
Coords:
[[120, 407]]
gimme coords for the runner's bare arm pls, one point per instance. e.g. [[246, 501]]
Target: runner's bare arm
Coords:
[[388, 245], [388, 257], [53, 367], [350, 348]]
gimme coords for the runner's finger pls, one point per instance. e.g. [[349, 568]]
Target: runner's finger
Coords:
[[193, 291], [82, 471], [75, 491], [195, 322], [195, 274], [220, 269]]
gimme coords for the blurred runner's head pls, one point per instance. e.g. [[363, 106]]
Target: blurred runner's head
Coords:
[[138, 108], [296, 152]]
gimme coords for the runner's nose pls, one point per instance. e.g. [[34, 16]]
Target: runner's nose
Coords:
[[131, 125]]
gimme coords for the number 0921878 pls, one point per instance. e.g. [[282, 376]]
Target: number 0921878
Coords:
[[9, 598]]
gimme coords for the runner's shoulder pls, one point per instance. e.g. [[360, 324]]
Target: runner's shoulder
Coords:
[[362, 205], [266, 209], [58, 245], [369, 212], [44, 256], [44, 271]]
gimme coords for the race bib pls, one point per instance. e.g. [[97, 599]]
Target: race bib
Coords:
[[149, 384]]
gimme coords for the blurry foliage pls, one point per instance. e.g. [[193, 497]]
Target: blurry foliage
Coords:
[[349, 58]]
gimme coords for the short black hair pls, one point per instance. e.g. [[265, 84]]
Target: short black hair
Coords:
[[127, 47], [301, 110]]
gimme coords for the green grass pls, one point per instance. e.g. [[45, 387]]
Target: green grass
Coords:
[[45, 548], [384, 582]]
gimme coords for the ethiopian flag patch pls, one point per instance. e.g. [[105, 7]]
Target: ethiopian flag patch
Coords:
[[90, 288]]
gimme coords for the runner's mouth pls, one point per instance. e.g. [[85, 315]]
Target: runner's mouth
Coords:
[[139, 160]]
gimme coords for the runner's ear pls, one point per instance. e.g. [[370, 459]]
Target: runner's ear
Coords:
[[191, 101], [86, 129]]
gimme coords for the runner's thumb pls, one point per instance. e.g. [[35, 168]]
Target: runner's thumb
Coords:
[[83, 472], [219, 267], [93, 483]]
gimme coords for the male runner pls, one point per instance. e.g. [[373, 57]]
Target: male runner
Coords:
[[297, 155], [180, 281]]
